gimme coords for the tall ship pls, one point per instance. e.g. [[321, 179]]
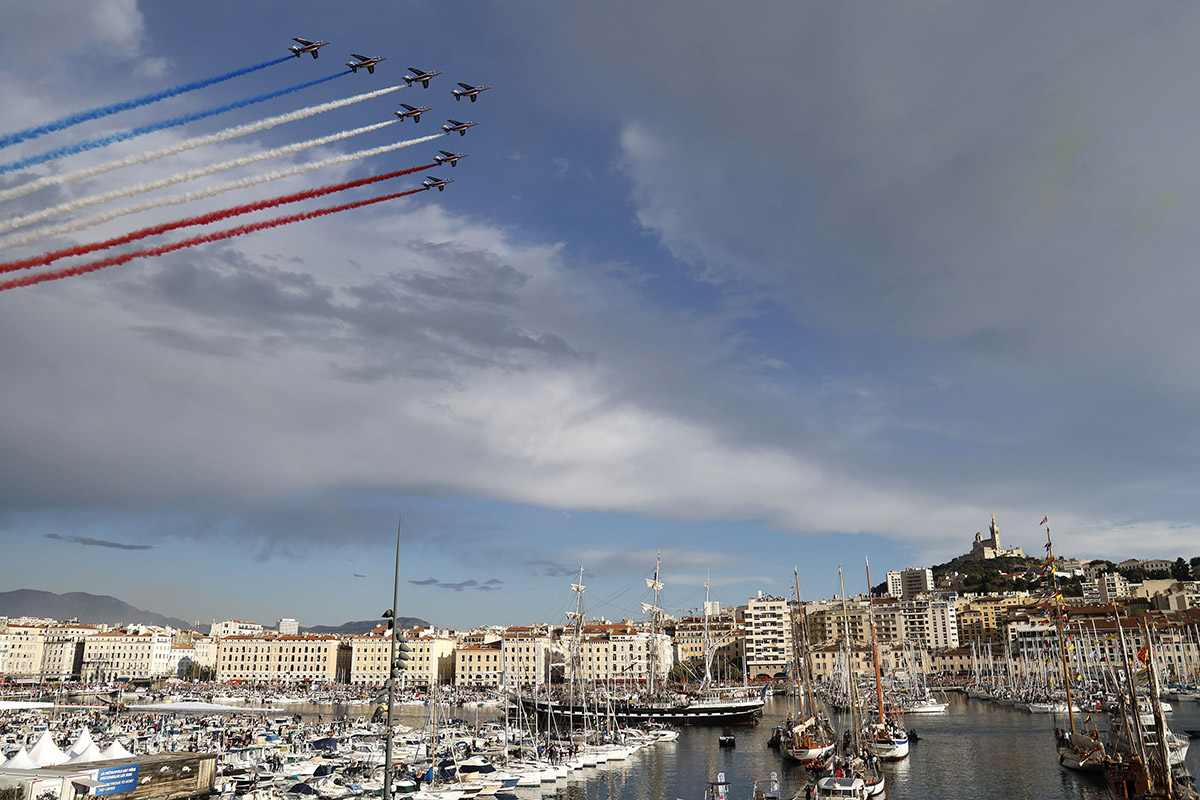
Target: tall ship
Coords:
[[658, 704], [807, 736]]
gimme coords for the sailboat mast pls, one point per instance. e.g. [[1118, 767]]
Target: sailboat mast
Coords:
[[652, 655], [1062, 639], [704, 644], [800, 649], [852, 689], [874, 648]]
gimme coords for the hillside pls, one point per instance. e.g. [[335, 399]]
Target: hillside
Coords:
[[92, 608], [87, 608]]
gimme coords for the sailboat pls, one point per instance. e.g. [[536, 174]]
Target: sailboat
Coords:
[[659, 705], [1143, 768], [886, 737], [861, 774], [1077, 750], [806, 736]]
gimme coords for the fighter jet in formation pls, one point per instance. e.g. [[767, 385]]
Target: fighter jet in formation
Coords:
[[303, 46], [447, 157], [363, 61], [419, 76], [412, 111], [454, 125], [468, 90], [431, 182]]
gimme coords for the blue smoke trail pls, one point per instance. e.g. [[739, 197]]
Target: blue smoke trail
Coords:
[[107, 111], [104, 141]]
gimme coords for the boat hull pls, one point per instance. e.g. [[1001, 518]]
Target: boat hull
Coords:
[[732, 712]]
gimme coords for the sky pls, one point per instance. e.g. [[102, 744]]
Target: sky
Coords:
[[746, 288]]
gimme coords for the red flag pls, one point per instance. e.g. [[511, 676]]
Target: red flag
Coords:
[[1044, 520], [1143, 655]]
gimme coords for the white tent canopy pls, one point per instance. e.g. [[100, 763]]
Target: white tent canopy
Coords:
[[21, 760], [115, 751], [82, 742], [91, 753], [45, 752]]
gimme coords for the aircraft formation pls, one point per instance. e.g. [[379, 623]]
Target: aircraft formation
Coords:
[[20, 230]]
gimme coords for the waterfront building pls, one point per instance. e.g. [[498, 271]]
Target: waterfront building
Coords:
[[827, 621], [527, 656], [931, 622], [959, 660], [1170, 595], [982, 619], [479, 665], [23, 646], [908, 583], [204, 650], [1114, 587], [726, 637], [62, 650], [235, 627], [126, 654], [768, 637], [615, 654], [270, 657], [430, 658]]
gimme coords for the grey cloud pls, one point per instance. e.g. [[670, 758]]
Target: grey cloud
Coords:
[[552, 569], [90, 542]]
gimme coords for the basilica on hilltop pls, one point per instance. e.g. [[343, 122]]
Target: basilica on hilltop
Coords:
[[990, 548]]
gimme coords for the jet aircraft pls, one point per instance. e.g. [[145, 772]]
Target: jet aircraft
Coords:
[[303, 46], [454, 125], [431, 182], [419, 75], [413, 112], [468, 90], [447, 157], [363, 61]]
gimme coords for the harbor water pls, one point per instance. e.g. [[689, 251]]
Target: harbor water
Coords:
[[976, 750]]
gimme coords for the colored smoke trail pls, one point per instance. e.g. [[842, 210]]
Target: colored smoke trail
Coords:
[[107, 111], [112, 261], [105, 141], [190, 144], [187, 197], [180, 177], [202, 219]]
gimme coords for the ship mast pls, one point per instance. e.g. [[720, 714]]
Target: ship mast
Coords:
[[874, 648], [653, 610], [800, 649], [1062, 639], [577, 648]]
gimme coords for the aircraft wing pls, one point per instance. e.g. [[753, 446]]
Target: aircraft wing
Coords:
[[360, 58], [301, 41], [466, 86]]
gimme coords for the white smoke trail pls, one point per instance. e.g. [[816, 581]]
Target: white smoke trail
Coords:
[[180, 177], [187, 197], [190, 144]]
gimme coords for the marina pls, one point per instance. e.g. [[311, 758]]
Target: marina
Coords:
[[976, 749]]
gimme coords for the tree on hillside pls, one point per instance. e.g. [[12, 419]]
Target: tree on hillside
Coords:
[[1180, 571]]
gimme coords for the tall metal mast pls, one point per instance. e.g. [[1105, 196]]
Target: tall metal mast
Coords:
[[654, 611]]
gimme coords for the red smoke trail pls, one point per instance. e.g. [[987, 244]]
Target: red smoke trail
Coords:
[[203, 219], [112, 261]]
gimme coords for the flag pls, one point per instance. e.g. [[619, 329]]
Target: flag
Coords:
[[1143, 655], [1044, 520]]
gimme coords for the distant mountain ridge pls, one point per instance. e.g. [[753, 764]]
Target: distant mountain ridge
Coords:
[[87, 608], [94, 608], [364, 626]]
